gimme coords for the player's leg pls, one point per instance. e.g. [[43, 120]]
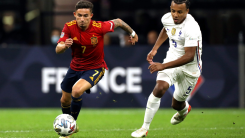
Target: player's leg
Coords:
[[183, 87], [66, 102], [77, 90], [87, 80], [183, 108], [66, 86], [153, 104], [65, 105]]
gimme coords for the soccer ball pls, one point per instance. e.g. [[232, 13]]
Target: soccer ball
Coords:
[[64, 124]]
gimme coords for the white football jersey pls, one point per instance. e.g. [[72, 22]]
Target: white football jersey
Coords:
[[186, 34]]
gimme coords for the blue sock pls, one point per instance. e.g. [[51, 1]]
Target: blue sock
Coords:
[[76, 105], [66, 109]]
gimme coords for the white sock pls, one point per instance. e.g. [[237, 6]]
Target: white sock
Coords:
[[185, 110], [152, 106]]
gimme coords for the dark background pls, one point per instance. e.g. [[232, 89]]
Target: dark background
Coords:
[[220, 20], [26, 28]]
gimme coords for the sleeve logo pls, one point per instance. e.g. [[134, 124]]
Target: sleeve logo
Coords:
[[62, 34], [71, 23], [96, 24]]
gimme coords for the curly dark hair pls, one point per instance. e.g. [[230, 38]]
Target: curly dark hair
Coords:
[[187, 2], [84, 4]]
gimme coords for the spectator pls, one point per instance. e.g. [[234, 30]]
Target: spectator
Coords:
[[152, 37], [55, 36], [12, 32]]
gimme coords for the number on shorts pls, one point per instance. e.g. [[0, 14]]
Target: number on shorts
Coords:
[[96, 72], [188, 90]]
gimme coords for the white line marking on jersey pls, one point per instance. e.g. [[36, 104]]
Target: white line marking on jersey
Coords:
[[111, 25]]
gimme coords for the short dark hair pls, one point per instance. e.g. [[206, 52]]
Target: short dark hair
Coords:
[[187, 2], [84, 4]]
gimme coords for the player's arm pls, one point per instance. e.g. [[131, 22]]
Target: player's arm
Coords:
[[162, 37], [120, 23], [62, 46], [186, 58]]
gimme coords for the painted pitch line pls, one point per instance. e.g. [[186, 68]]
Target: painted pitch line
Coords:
[[118, 129]]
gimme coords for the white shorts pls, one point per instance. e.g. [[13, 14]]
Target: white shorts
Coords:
[[183, 83]]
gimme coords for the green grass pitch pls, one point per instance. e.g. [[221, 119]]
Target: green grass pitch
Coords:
[[120, 123]]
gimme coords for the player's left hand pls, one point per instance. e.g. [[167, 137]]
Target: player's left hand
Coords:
[[155, 66], [134, 39]]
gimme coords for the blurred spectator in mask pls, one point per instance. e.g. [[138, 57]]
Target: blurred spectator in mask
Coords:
[[55, 36]]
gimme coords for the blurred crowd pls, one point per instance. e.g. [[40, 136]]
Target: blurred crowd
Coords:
[[218, 28]]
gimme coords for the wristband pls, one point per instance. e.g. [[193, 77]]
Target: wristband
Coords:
[[133, 34]]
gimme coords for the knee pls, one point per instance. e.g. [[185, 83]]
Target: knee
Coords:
[[65, 101], [76, 92], [160, 89]]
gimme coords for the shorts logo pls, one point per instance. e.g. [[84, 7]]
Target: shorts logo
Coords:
[[92, 78], [62, 35], [173, 31], [94, 40]]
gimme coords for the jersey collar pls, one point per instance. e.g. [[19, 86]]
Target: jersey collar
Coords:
[[89, 27]]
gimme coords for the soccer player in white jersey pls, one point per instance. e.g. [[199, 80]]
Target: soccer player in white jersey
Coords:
[[181, 67]]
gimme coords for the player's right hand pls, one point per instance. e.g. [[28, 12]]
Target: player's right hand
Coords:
[[134, 39], [150, 56], [68, 42]]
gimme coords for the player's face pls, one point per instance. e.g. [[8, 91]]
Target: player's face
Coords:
[[83, 17], [178, 12]]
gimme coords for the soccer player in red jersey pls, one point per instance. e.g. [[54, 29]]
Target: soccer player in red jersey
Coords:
[[85, 38]]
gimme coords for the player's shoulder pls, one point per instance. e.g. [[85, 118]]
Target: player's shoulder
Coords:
[[191, 26], [71, 23], [100, 24], [96, 24], [167, 18], [191, 22]]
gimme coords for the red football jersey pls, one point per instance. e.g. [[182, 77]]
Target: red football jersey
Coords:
[[88, 46]]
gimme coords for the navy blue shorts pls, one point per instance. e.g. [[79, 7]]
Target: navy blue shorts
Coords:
[[92, 76]]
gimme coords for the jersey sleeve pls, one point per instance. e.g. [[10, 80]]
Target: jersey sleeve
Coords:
[[65, 34], [107, 26], [192, 34], [165, 19]]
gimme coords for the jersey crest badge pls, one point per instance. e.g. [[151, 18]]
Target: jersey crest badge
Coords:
[[173, 31], [94, 40]]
